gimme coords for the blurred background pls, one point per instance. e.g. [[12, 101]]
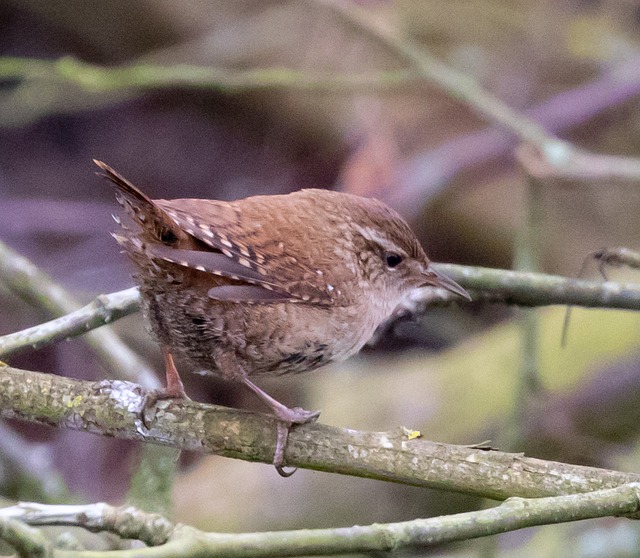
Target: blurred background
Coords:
[[223, 100]]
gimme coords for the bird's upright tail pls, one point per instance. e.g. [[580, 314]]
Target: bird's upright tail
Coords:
[[151, 218]]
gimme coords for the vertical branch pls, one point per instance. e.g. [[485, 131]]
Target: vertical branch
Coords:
[[528, 258], [152, 482]]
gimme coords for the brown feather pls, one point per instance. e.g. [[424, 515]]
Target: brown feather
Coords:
[[142, 209], [234, 229]]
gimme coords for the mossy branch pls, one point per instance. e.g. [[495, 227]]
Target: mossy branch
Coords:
[[114, 409]]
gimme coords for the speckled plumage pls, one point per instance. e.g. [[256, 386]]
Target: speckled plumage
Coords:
[[269, 284]]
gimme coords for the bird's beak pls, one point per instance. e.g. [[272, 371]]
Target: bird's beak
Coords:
[[437, 279]]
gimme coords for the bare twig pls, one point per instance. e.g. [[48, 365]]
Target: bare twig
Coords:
[[539, 289], [457, 84], [577, 164], [37, 288], [167, 539], [27, 541], [487, 285], [126, 522], [615, 257], [543, 154], [103, 310]]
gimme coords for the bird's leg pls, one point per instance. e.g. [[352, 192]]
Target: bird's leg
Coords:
[[174, 389], [227, 362], [287, 417]]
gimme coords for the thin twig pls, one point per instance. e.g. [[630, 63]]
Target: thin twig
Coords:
[[427, 173], [38, 289], [543, 154], [127, 522], [103, 310], [183, 541], [143, 76], [536, 289], [457, 84], [487, 285]]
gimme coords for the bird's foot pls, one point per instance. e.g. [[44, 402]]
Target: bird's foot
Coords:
[[286, 419]]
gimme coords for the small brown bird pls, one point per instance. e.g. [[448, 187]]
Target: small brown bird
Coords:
[[268, 285]]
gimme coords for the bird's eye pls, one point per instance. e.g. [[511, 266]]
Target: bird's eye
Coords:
[[392, 259]]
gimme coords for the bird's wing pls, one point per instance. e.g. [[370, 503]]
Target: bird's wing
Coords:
[[236, 237]]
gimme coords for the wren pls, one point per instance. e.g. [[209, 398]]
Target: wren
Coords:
[[268, 285]]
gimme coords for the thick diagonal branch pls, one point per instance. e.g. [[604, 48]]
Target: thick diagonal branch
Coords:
[[113, 409]]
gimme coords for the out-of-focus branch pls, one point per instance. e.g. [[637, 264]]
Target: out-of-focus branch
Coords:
[[27, 541], [457, 84], [166, 539], [557, 156], [428, 172], [38, 289], [577, 165], [34, 462], [144, 76]]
